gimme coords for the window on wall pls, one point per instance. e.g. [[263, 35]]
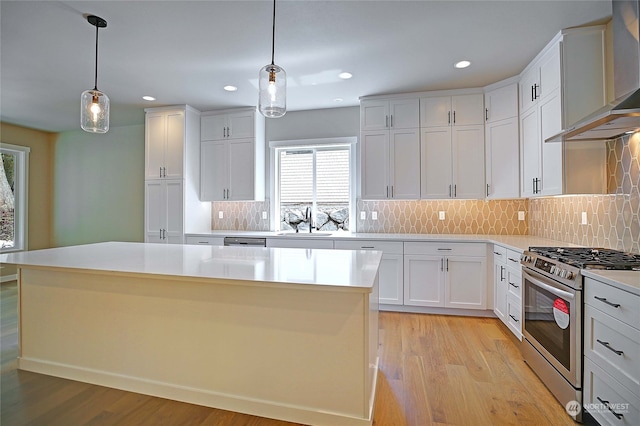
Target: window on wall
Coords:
[[315, 177], [13, 197]]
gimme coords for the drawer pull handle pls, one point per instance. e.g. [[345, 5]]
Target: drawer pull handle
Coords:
[[604, 300], [606, 404], [498, 253], [514, 318], [444, 249], [512, 259], [513, 284], [606, 345], [367, 247]]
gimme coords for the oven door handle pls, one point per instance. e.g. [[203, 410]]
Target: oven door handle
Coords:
[[549, 288]]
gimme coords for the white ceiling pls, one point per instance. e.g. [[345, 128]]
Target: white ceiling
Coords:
[[186, 51]]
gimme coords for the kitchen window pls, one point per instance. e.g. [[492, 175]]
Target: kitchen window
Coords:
[[13, 197], [318, 176]]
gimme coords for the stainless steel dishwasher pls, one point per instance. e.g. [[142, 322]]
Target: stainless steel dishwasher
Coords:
[[245, 241]]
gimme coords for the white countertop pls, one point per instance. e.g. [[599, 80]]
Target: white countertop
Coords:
[[515, 242], [328, 268], [624, 280]]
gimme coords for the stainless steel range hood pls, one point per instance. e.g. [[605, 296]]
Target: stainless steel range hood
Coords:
[[622, 115]]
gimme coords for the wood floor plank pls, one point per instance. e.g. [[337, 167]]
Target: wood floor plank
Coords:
[[434, 370]]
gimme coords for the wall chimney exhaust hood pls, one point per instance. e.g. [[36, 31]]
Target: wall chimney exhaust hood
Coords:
[[622, 115]]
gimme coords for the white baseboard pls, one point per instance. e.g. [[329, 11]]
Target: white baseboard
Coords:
[[7, 278]]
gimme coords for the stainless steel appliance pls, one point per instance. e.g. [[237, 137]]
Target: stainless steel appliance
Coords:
[[552, 312], [245, 241]]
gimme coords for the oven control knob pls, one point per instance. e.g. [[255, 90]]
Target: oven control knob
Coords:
[[553, 269], [563, 273], [570, 275]]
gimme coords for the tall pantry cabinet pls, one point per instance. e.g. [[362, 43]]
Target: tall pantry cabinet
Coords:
[[172, 175]]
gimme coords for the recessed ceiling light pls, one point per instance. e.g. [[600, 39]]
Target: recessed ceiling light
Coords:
[[230, 88], [462, 64], [148, 98], [338, 100], [345, 75]]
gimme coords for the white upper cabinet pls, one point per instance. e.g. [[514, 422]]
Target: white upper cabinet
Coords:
[[502, 159], [164, 144], [452, 146], [390, 164], [378, 114], [563, 84], [232, 155], [457, 110], [230, 125]]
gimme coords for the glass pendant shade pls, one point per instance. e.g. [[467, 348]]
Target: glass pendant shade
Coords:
[[272, 90], [94, 111]]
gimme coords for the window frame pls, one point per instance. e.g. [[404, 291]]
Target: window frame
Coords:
[[348, 142], [21, 196]]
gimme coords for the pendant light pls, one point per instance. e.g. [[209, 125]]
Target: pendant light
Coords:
[[272, 86], [94, 105]]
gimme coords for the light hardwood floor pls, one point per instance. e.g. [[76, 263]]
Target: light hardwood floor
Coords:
[[434, 370]]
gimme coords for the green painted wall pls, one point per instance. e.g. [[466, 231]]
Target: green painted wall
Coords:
[[99, 186]]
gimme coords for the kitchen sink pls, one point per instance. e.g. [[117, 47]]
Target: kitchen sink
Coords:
[[304, 234]]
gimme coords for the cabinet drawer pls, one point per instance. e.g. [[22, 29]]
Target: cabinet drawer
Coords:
[[513, 259], [514, 316], [600, 386], [499, 253], [445, 248], [514, 284], [618, 303], [387, 247], [614, 346], [212, 241], [298, 242]]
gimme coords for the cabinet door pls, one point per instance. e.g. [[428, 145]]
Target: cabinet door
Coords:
[[213, 127], [154, 141], [502, 159], [154, 214], [467, 109], [529, 83], [174, 151], [550, 72], [501, 103], [435, 112], [465, 283], [241, 170], [240, 125], [530, 151], [514, 316], [374, 115], [404, 153], [423, 280], [435, 163], [550, 115], [500, 290], [391, 279], [374, 158], [404, 114], [468, 162], [174, 226], [213, 170]]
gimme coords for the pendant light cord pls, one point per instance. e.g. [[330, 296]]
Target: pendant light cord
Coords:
[[273, 34], [95, 85]]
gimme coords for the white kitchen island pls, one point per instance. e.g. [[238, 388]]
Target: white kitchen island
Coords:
[[290, 334]]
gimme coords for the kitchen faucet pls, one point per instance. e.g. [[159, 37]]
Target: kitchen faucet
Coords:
[[307, 216]]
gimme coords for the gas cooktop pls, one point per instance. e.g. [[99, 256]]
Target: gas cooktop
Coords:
[[591, 258]]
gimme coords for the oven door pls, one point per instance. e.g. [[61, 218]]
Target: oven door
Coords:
[[552, 314]]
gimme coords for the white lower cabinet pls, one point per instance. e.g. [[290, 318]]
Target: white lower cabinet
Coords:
[[507, 288], [390, 274], [449, 275], [611, 354], [300, 242], [164, 219]]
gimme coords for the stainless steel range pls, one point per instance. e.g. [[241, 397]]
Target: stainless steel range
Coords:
[[552, 312]]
